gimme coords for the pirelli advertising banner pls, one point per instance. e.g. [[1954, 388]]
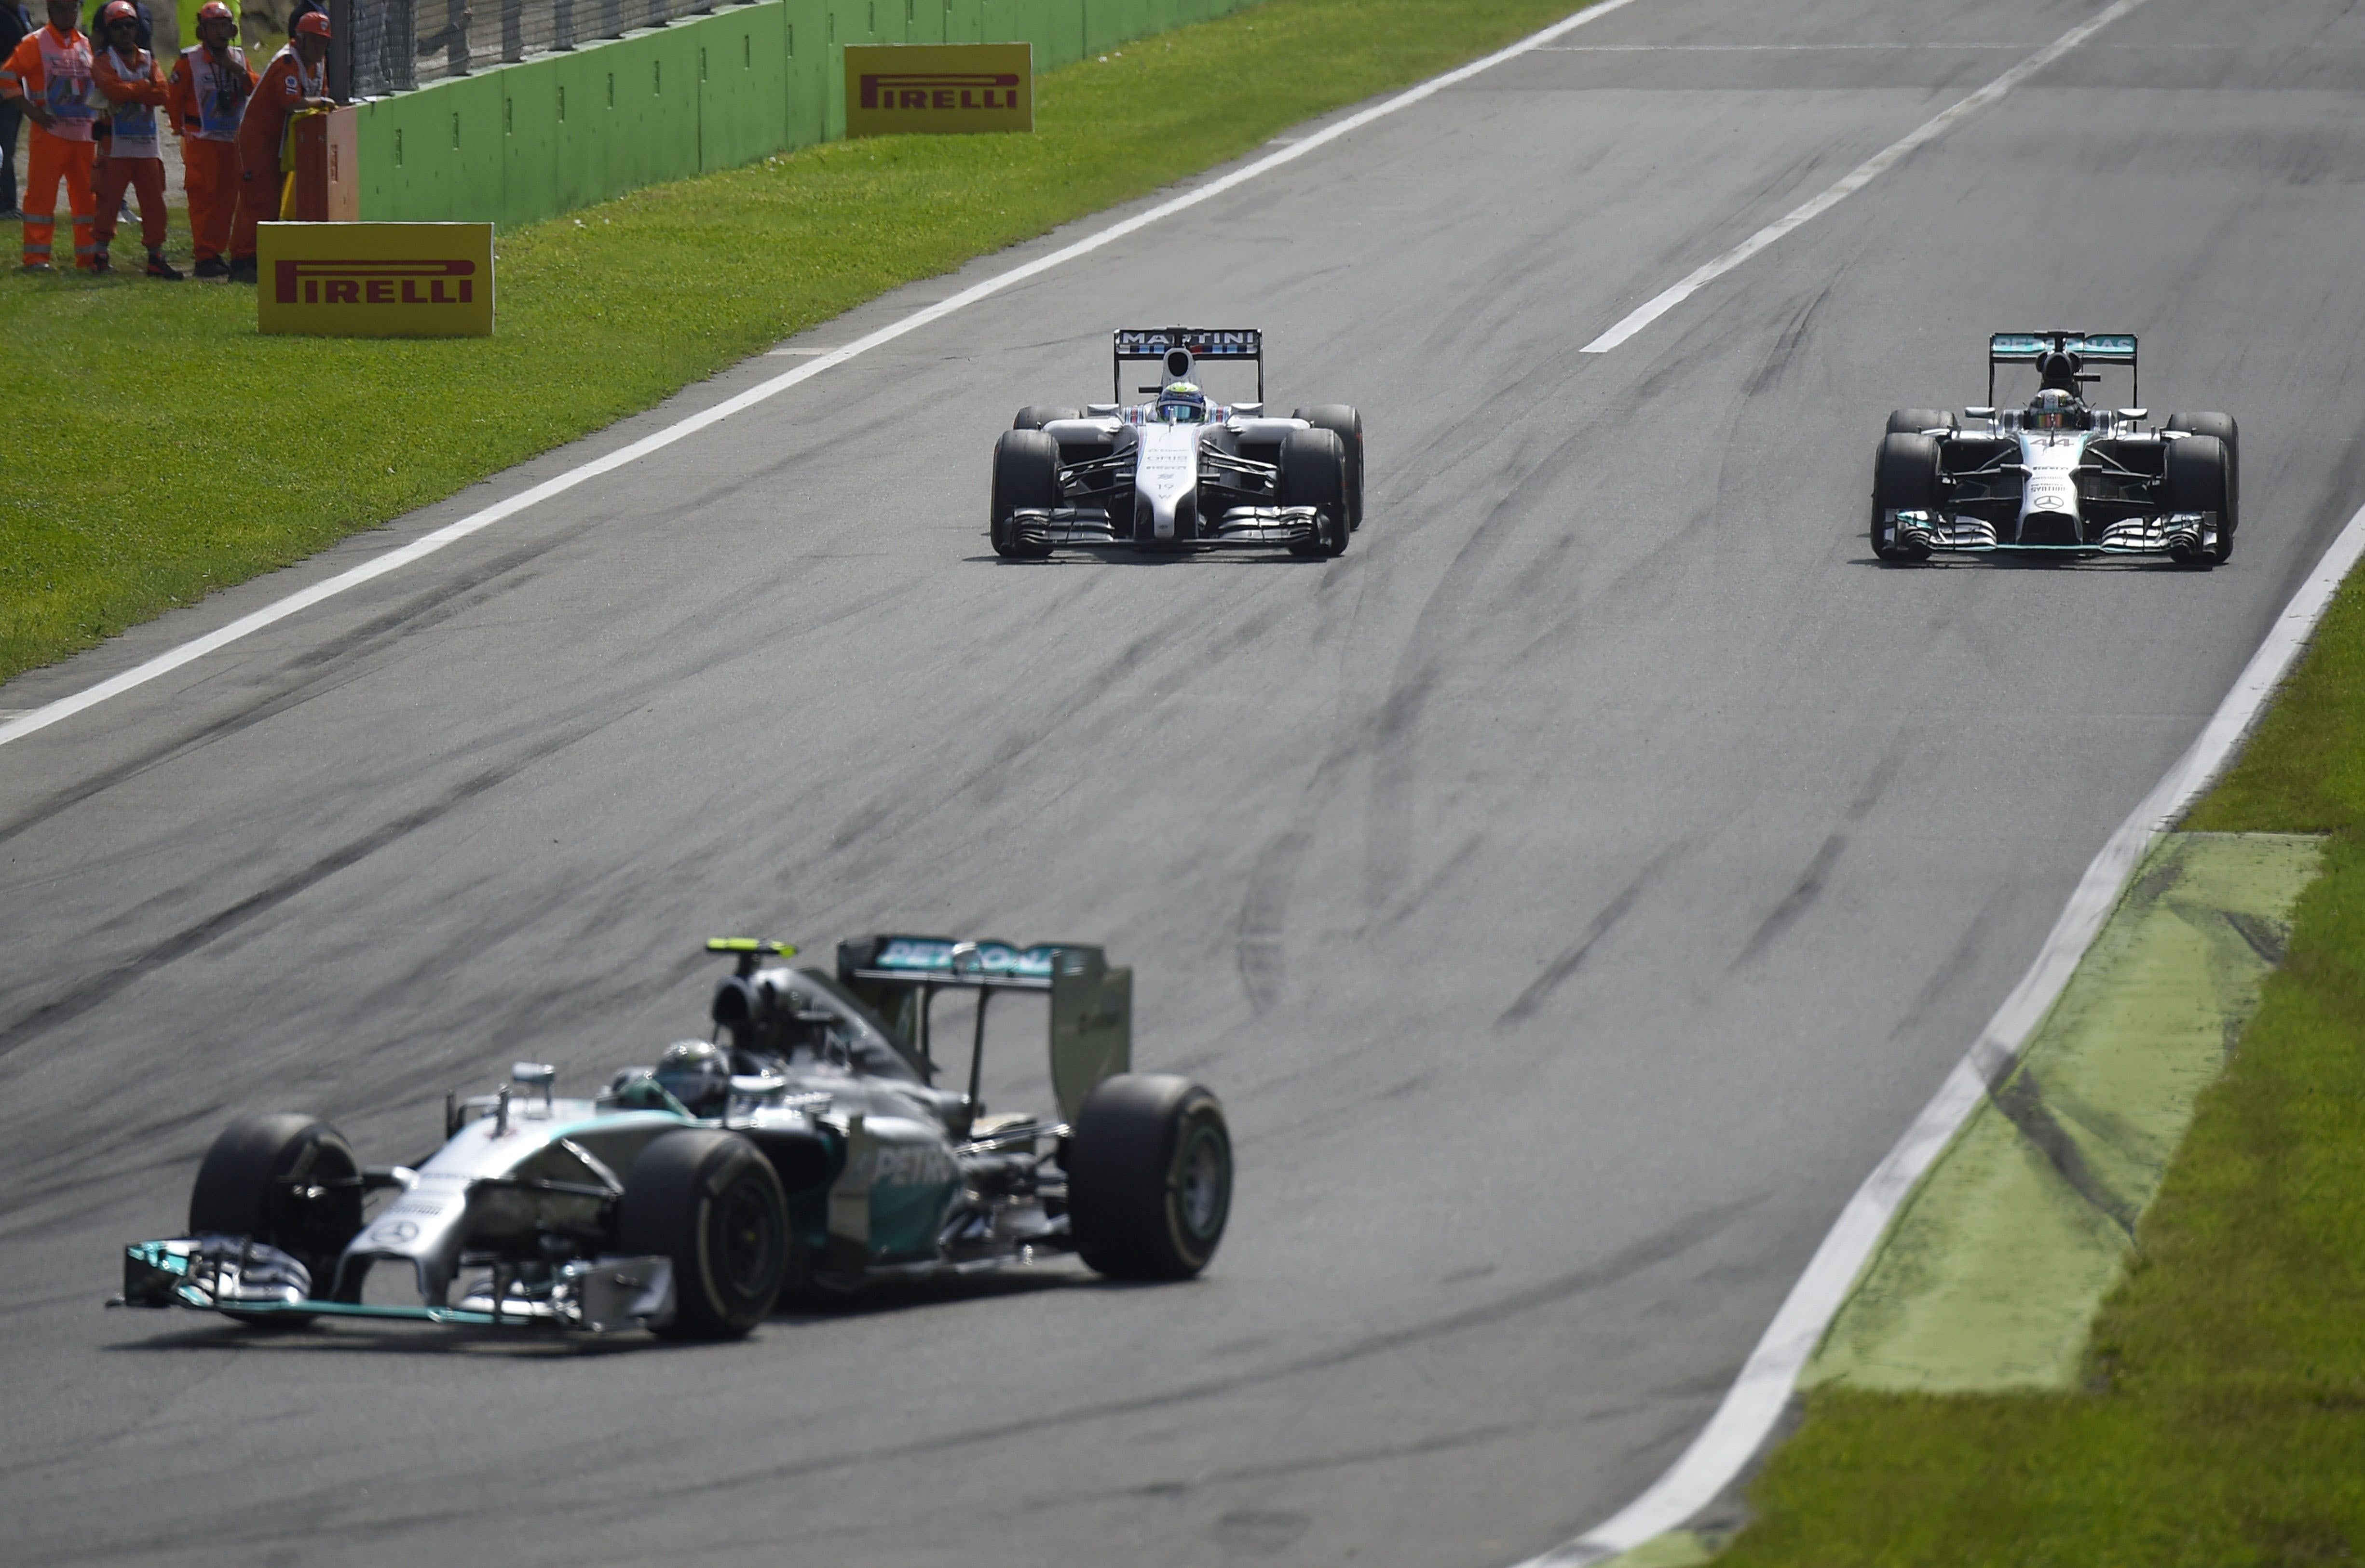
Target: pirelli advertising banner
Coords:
[[895, 88], [376, 280]]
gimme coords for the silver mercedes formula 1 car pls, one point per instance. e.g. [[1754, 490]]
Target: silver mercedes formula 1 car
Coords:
[[808, 1143], [2057, 475], [1178, 473]]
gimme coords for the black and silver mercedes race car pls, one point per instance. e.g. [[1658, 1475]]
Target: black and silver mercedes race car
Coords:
[[806, 1144], [1179, 472], [2058, 476]]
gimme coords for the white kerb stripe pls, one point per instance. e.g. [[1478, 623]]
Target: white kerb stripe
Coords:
[[1758, 1396], [427, 545], [1862, 175]]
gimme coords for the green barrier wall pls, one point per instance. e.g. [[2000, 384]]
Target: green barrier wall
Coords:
[[519, 143]]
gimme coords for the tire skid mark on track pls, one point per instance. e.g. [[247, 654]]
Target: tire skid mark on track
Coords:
[[1958, 963], [1260, 957], [108, 982], [309, 675], [1561, 968], [1628, 1262], [1811, 883]]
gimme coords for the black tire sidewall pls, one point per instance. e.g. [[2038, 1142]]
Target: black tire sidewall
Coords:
[[1347, 424], [238, 1191], [2197, 476], [1313, 473], [1904, 478], [1125, 1168], [680, 1200], [1025, 473]]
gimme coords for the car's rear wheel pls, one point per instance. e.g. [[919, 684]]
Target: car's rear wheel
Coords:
[[286, 1180], [1149, 1177], [1904, 478], [1345, 423], [1913, 421], [2197, 476], [710, 1202], [1314, 473], [1025, 473], [1035, 416]]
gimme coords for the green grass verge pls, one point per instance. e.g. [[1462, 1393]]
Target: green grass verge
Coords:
[[163, 449], [2223, 1421]]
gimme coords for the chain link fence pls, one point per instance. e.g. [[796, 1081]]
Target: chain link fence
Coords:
[[397, 44]]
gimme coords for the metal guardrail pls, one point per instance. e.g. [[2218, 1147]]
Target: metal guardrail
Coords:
[[391, 46]]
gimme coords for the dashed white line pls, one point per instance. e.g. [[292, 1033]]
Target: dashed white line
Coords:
[[1862, 175]]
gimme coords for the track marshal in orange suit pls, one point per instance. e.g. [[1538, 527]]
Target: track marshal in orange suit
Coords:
[[297, 78]]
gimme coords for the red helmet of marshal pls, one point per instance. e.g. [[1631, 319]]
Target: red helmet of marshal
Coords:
[[118, 11], [313, 22], [215, 11]]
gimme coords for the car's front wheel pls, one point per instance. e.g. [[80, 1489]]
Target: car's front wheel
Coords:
[[710, 1202], [1345, 423], [2223, 427], [286, 1180], [1149, 1177], [1314, 473], [1025, 473], [1904, 478], [2197, 476]]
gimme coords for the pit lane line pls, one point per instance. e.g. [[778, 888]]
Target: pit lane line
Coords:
[[163, 664], [1860, 177], [1757, 1397]]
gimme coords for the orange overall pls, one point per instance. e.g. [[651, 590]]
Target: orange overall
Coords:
[[262, 131], [134, 89], [206, 95], [52, 69]]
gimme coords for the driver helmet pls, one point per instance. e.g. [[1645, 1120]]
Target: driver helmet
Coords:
[[2055, 410], [697, 1073], [1181, 403]]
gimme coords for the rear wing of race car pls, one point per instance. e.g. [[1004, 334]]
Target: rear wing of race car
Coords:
[[1092, 1003], [2083, 349], [1182, 347]]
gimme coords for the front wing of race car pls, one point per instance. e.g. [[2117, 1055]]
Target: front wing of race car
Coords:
[[1226, 498], [2179, 535], [243, 1279]]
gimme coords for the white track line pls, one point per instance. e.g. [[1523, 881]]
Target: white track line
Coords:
[[1758, 1395], [1862, 175], [41, 718]]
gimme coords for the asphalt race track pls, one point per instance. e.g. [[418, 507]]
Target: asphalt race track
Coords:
[[1571, 890]]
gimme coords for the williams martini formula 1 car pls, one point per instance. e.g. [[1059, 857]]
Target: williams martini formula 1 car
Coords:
[[2058, 476], [808, 1144], [1179, 473]]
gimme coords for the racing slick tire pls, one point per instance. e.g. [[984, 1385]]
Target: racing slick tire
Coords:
[[248, 1186], [1347, 426], [1913, 421], [1035, 416], [710, 1202], [2197, 476], [1314, 473], [2223, 427], [1025, 473], [1904, 478], [1149, 1177]]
